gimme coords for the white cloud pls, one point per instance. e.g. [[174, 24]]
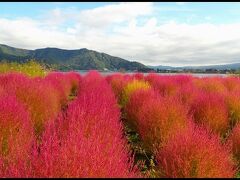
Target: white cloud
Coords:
[[115, 13], [114, 29], [181, 3]]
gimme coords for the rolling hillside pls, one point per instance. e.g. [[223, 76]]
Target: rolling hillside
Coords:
[[81, 59]]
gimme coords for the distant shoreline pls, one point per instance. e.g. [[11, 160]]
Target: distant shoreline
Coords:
[[105, 73]]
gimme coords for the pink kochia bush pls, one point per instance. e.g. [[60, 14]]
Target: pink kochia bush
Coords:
[[1, 90], [187, 94], [16, 134], [232, 99], [38, 97], [195, 153], [41, 101], [88, 140], [232, 83], [65, 84], [75, 79], [214, 84], [165, 85], [42, 97], [234, 139], [209, 109], [161, 118], [134, 106], [118, 82]]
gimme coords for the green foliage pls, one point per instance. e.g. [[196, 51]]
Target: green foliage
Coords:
[[14, 51], [80, 59], [30, 68]]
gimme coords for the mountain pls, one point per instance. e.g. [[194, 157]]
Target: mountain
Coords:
[[80, 59], [218, 67], [234, 66], [85, 59]]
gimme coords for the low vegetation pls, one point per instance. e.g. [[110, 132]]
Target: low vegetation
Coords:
[[55, 124], [31, 68]]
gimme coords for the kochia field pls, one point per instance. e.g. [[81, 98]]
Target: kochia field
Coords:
[[71, 125]]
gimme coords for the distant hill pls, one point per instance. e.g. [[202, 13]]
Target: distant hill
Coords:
[[234, 66], [85, 59], [80, 59]]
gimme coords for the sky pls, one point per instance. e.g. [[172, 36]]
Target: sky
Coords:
[[153, 33]]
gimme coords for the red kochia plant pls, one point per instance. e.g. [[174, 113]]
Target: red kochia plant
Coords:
[[182, 80], [234, 139], [232, 99], [61, 83], [187, 94], [197, 154], [75, 79], [41, 100], [138, 76], [91, 82], [65, 84], [210, 110], [117, 82], [10, 80], [1, 90], [232, 83], [88, 141], [136, 101], [210, 84], [165, 85], [16, 133], [160, 118], [37, 95]]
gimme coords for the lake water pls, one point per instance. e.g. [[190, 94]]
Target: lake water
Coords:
[[162, 74]]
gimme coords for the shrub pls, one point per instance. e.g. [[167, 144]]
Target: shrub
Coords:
[[160, 118], [232, 83], [92, 144], [138, 76], [78, 156], [233, 103], [187, 94], [213, 84], [66, 84], [42, 102], [30, 68], [234, 140], [61, 83], [91, 82], [131, 87], [136, 101], [37, 95], [74, 79], [16, 132], [182, 80], [165, 85], [210, 110], [196, 154], [117, 82], [1, 90]]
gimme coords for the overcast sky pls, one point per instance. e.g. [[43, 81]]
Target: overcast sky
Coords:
[[165, 33]]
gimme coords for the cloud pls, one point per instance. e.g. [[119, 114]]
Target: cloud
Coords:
[[115, 13], [181, 3], [115, 29]]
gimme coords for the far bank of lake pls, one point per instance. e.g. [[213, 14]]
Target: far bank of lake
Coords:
[[83, 72]]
